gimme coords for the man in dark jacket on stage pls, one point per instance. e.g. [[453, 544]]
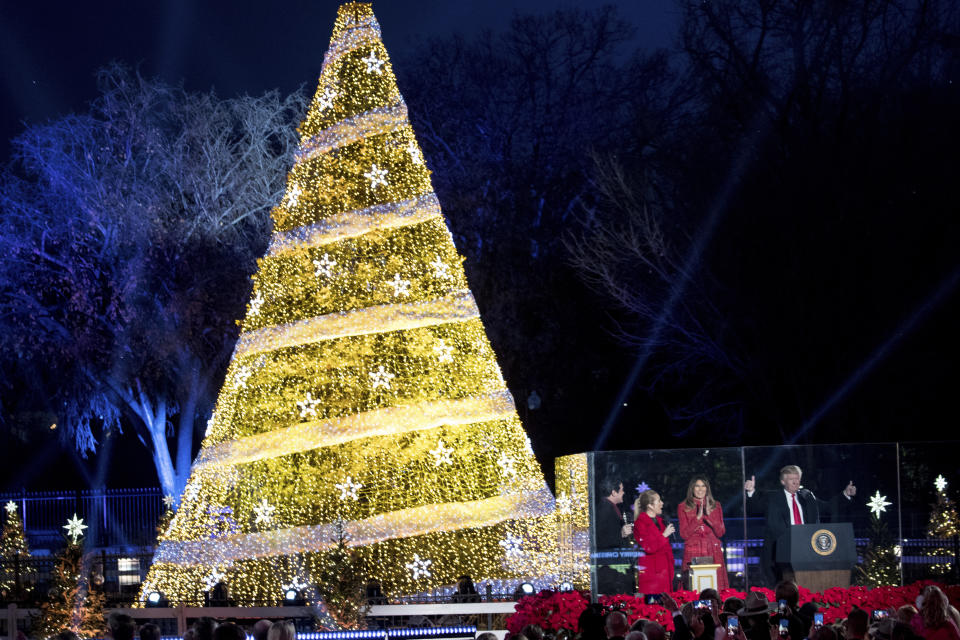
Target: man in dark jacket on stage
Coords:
[[612, 534], [781, 509]]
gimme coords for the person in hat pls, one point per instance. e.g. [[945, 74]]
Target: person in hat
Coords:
[[755, 616]]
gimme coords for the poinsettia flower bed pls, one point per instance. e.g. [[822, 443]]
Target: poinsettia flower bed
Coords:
[[556, 610]]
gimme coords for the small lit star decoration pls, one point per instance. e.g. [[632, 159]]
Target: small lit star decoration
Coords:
[[75, 527], [168, 501], [419, 567], [374, 64], [308, 406], [11, 507], [325, 100], [255, 303], [441, 270], [414, 152], [444, 351], [348, 489], [643, 486], [441, 454], [381, 377], [940, 483], [324, 266], [264, 512], [376, 176], [293, 195], [878, 504], [400, 287]]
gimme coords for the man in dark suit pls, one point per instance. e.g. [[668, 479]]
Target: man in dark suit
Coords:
[[612, 533], [781, 509]]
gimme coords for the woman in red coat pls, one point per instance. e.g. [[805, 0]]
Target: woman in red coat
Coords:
[[701, 527], [655, 569]]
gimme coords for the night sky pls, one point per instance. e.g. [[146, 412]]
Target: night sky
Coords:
[[50, 51]]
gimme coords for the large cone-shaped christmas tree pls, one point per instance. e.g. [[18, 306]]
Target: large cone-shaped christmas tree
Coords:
[[363, 391]]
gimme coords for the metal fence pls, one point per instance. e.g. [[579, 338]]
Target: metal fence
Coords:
[[115, 517]]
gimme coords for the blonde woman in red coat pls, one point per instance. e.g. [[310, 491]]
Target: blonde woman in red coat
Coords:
[[655, 568], [701, 527]]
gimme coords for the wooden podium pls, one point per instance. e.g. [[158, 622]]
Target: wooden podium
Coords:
[[820, 556], [703, 576]]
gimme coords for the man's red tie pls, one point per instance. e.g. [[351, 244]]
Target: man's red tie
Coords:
[[797, 518]]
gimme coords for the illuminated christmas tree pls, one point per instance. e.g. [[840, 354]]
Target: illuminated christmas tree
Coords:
[[73, 603], [944, 525], [15, 571], [363, 388]]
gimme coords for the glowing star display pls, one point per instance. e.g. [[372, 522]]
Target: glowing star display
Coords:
[[324, 266], [348, 489], [212, 579], [325, 100], [878, 504], [414, 152], [374, 64], [940, 483], [168, 501], [643, 486], [442, 454], [444, 351], [512, 546], [243, 374], [255, 303], [441, 270], [264, 512], [419, 567], [508, 465], [308, 406], [11, 507], [75, 527], [381, 377], [376, 176], [400, 287], [293, 195]]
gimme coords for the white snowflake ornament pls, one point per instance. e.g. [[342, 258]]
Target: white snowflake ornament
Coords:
[[441, 270], [210, 581], [293, 196], [414, 152], [241, 376], [878, 504], [75, 527], [512, 546], [940, 483], [325, 101], [444, 351], [255, 303], [508, 465]]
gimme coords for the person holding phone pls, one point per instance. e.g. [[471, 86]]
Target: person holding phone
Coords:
[[700, 518], [655, 568]]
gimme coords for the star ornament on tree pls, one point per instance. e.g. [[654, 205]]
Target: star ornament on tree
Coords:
[[419, 566], [324, 266], [400, 287], [168, 501], [293, 196], [414, 152], [374, 64], [75, 527], [308, 406], [940, 483], [442, 454], [264, 512], [381, 377], [348, 489], [326, 100], [376, 176], [11, 507], [878, 504], [255, 303], [441, 270]]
